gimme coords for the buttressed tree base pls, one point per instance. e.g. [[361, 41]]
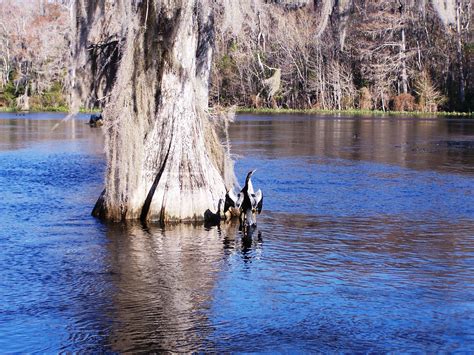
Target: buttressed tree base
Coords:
[[165, 161]]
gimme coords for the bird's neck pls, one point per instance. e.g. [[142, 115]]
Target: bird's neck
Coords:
[[250, 187]]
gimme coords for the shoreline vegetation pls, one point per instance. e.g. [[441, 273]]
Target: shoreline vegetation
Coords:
[[274, 111], [354, 112], [360, 57], [53, 109], [352, 57]]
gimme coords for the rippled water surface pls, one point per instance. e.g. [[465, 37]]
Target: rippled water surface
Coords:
[[366, 243]]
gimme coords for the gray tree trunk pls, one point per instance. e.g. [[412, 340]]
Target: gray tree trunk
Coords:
[[164, 159], [403, 57], [459, 45]]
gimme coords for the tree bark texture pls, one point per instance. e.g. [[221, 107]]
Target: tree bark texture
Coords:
[[164, 159]]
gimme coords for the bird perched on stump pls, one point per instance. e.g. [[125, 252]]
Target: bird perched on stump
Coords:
[[246, 204], [230, 208]]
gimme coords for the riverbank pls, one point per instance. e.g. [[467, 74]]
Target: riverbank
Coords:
[[42, 109], [354, 112], [62, 109], [249, 110]]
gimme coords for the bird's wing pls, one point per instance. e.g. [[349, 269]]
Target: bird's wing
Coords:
[[259, 200], [232, 195], [230, 200]]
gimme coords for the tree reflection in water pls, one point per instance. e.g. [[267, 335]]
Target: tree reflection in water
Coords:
[[164, 280]]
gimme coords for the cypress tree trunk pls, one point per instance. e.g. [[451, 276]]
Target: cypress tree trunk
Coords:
[[164, 159]]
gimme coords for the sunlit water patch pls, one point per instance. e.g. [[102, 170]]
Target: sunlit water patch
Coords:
[[366, 243]]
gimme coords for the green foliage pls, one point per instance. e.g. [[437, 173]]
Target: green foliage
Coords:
[[469, 48], [233, 47], [52, 99], [225, 63], [10, 93]]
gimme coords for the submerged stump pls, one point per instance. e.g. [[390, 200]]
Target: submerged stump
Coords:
[[165, 161]]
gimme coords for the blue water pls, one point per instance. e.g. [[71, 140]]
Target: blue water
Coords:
[[366, 243]]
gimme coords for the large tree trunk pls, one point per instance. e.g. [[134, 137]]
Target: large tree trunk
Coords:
[[164, 159]]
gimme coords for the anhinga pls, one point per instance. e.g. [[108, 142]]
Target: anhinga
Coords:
[[213, 219], [246, 204]]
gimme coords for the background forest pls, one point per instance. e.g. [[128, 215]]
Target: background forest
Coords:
[[406, 55]]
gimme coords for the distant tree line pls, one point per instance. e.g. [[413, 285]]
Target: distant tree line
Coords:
[[33, 53], [390, 55], [400, 55]]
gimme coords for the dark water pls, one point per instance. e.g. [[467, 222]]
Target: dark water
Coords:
[[366, 244]]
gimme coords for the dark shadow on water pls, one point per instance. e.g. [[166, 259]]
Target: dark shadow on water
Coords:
[[164, 279]]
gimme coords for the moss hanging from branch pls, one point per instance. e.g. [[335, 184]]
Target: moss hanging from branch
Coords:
[[165, 161]]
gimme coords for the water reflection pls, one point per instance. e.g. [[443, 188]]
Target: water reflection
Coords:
[[440, 144], [164, 280], [349, 284], [18, 132]]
